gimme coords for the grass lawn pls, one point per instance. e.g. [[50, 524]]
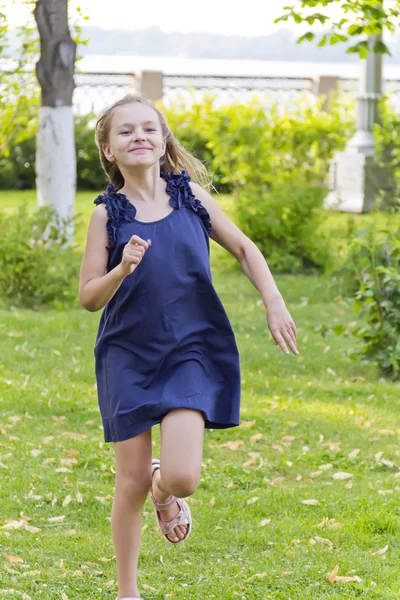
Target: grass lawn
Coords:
[[308, 482]]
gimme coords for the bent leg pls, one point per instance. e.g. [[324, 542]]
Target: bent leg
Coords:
[[182, 437]]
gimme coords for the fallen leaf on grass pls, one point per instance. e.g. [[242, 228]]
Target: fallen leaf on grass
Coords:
[[381, 551], [342, 475], [258, 575], [255, 438], [148, 587], [248, 423], [232, 445], [333, 574], [322, 540], [325, 467], [252, 500], [265, 522], [354, 453], [252, 460], [13, 560], [316, 474], [329, 523], [311, 502]]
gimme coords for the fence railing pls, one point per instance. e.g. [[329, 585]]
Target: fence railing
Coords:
[[95, 91]]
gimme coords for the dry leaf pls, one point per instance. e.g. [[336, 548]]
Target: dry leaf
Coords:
[[265, 522], [255, 438], [13, 560], [381, 551], [252, 460], [311, 502], [232, 445], [348, 579], [342, 475], [354, 453], [322, 540], [252, 500], [333, 574], [259, 575], [248, 423]]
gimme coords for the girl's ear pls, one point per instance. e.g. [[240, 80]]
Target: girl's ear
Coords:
[[107, 153]]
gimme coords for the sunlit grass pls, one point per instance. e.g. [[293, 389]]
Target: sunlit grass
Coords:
[[303, 420]]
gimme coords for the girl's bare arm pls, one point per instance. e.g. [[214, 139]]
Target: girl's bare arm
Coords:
[[96, 287]]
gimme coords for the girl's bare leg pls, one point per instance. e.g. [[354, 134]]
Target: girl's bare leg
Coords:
[[182, 436], [132, 484]]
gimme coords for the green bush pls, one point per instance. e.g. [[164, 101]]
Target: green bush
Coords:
[[283, 223], [90, 174], [259, 146], [387, 139], [377, 300], [375, 256], [38, 265], [17, 166]]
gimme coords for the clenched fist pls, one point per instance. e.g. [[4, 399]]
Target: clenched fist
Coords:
[[132, 254]]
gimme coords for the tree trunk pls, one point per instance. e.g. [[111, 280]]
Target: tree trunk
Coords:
[[55, 146]]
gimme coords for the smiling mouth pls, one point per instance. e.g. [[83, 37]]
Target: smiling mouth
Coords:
[[135, 149]]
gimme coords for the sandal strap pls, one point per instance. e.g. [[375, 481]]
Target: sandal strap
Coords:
[[162, 505], [182, 518]]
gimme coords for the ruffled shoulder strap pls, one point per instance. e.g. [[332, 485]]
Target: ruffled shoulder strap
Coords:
[[118, 209], [181, 194]]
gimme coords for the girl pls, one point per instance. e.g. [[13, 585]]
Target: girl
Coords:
[[165, 351]]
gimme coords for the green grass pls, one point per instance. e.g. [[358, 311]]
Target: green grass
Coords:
[[297, 414]]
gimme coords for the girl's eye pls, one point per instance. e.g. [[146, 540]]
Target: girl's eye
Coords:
[[150, 129]]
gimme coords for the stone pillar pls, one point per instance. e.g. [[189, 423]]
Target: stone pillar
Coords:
[[150, 84], [325, 85], [355, 179]]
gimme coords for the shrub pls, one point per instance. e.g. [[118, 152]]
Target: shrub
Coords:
[[375, 255], [39, 266], [283, 223]]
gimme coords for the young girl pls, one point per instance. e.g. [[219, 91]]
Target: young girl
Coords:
[[165, 351]]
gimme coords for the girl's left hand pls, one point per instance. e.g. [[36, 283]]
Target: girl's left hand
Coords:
[[282, 327]]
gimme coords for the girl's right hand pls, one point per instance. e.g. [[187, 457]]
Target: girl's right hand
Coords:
[[132, 254]]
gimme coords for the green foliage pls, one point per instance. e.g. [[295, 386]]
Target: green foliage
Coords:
[[17, 166], [284, 223], [252, 144], [38, 266], [377, 255], [90, 174], [387, 139], [188, 126], [360, 18], [375, 259]]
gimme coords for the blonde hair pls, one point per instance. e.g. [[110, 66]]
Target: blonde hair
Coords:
[[175, 159]]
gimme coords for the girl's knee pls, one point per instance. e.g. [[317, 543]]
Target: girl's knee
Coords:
[[180, 484], [134, 483]]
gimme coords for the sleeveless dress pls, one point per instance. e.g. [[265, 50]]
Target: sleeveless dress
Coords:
[[164, 339]]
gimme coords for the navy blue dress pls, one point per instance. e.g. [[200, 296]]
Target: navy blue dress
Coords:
[[164, 339]]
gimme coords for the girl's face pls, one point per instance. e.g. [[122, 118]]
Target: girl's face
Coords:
[[135, 138]]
